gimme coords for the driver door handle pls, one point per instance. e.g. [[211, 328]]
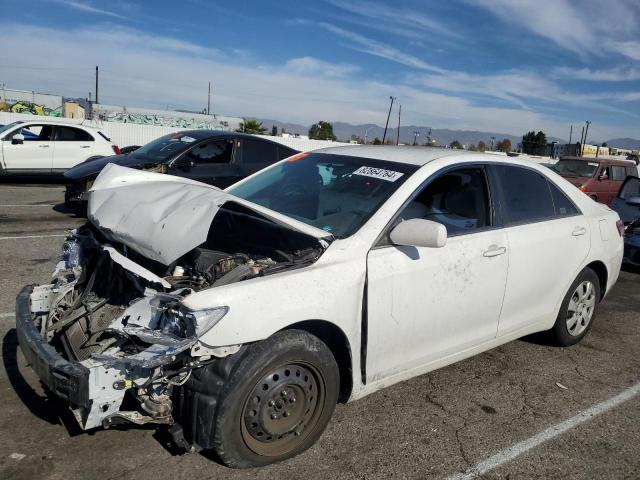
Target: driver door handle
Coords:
[[578, 231], [494, 251], [43, 146]]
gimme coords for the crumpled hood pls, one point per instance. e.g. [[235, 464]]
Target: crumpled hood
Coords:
[[163, 217]]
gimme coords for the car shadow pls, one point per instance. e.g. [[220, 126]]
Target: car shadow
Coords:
[[79, 211], [630, 268], [35, 180], [48, 408]]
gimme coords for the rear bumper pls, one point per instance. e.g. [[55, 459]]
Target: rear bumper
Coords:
[[67, 380]]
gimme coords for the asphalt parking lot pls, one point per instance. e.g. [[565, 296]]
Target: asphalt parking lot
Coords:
[[515, 412]]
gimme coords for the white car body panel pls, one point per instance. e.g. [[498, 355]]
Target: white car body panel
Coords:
[[464, 300], [50, 156]]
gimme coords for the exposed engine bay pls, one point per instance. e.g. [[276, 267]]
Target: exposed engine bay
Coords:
[[120, 314]]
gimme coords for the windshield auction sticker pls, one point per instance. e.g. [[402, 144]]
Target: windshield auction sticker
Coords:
[[381, 173]]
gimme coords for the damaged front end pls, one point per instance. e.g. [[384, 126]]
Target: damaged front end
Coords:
[[111, 335]]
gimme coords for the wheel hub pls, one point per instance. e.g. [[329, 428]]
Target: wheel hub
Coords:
[[581, 308], [281, 404]]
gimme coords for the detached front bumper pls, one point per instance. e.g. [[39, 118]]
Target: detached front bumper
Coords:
[[67, 380]]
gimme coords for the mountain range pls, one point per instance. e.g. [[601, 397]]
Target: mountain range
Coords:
[[442, 136]]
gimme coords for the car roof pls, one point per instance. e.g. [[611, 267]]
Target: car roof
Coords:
[[60, 123], [610, 161], [401, 154]]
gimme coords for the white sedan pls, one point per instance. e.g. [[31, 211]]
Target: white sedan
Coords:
[[241, 317], [43, 147]]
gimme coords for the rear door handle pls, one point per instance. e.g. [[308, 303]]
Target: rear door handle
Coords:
[[43, 146], [578, 231], [85, 146], [494, 251]]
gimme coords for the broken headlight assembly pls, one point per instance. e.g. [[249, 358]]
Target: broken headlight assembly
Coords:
[[205, 320]]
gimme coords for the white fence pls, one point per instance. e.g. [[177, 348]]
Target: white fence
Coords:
[[125, 134]]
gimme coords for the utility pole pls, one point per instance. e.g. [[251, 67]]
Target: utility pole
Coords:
[[429, 136], [570, 134], [493, 139], [97, 84], [586, 132], [415, 136], [581, 137], [399, 112], [384, 136], [209, 100]]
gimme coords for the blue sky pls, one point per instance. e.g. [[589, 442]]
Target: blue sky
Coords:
[[495, 65]]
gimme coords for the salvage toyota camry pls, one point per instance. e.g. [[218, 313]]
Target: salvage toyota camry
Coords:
[[241, 317]]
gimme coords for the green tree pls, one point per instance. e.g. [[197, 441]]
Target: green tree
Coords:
[[473, 148], [534, 143], [357, 139], [251, 125], [274, 131], [504, 145], [321, 131], [482, 146], [376, 141], [455, 144]]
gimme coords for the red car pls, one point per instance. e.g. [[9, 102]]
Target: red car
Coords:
[[599, 178]]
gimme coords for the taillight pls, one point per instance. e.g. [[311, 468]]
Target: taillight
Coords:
[[116, 149], [620, 226]]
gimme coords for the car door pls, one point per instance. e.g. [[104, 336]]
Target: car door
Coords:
[[210, 161], [424, 304], [548, 240], [618, 174], [34, 154], [627, 202], [72, 146]]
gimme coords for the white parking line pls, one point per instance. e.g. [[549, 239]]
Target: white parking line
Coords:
[[38, 205], [7, 315], [518, 449], [33, 236]]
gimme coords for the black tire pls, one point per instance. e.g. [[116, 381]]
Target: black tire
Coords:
[[245, 433], [561, 334]]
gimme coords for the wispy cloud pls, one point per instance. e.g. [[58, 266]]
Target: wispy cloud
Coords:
[[87, 7], [395, 19], [585, 27], [368, 45], [616, 74]]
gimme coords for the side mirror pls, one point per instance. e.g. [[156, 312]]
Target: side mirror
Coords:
[[18, 139], [633, 201], [417, 232]]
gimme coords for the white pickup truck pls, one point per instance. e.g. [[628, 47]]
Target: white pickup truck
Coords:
[[43, 147]]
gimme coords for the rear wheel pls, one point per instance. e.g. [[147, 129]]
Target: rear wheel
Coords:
[[278, 400], [578, 309]]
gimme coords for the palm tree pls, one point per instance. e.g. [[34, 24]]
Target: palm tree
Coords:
[[251, 125]]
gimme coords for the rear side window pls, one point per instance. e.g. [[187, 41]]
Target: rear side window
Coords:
[[527, 197], [259, 154], [618, 173], [69, 134], [563, 206], [284, 152]]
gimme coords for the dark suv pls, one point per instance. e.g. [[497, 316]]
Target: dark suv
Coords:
[[213, 157]]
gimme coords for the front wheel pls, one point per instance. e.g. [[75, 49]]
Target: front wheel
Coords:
[[578, 309], [278, 401]]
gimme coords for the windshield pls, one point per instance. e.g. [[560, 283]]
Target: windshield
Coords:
[[333, 192], [4, 128], [578, 168], [165, 148]]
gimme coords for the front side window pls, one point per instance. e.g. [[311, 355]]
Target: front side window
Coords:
[[214, 151], [336, 193], [34, 133], [526, 195], [69, 134], [618, 173], [457, 199]]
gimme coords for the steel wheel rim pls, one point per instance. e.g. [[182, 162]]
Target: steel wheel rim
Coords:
[[581, 307], [282, 409]]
